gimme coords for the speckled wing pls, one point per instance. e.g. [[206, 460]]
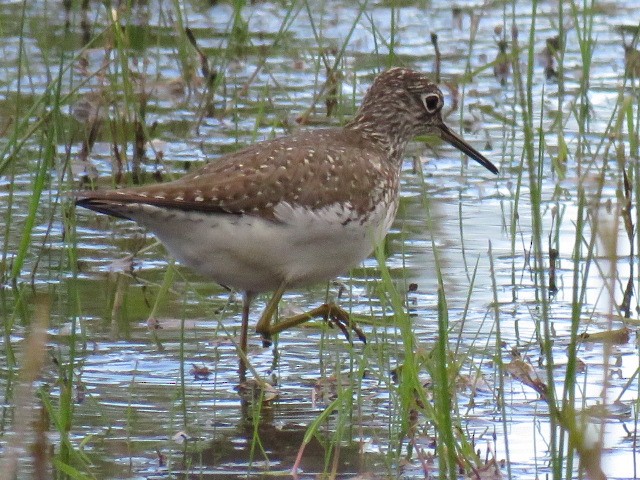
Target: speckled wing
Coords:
[[254, 180]]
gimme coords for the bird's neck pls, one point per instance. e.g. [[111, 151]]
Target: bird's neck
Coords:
[[387, 132]]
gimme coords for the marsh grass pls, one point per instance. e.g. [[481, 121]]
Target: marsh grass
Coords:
[[570, 446], [538, 156]]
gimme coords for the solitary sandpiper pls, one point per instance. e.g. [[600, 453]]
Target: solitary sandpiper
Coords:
[[296, 210]]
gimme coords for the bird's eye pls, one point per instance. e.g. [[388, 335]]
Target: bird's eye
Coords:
[[431, 102]]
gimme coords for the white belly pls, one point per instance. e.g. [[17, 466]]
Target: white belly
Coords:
[[249, 253]]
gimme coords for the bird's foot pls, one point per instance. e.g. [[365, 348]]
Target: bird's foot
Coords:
[[330, 312], [338, 317]]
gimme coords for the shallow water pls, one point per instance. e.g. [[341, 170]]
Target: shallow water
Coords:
[[136, 400]]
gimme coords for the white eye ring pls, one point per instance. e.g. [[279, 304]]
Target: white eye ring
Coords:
[[432, 102]]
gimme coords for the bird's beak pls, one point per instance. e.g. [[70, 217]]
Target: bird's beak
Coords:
[[447, 134]]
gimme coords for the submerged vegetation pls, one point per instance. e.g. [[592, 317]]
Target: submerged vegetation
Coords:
[[501, 313]]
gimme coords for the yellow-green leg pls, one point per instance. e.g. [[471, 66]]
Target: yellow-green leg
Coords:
[[263, 327], [329, 311], [246, 305]]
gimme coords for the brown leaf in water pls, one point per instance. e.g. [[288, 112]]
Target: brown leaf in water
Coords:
[[257, 390], [122, 265], [488, 471], [616, 410], [581, 366], [162, 458], [154, 324], [326, 389], [474, 383], [614, 337], [200, 372], [525, 373], [181, 437]]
